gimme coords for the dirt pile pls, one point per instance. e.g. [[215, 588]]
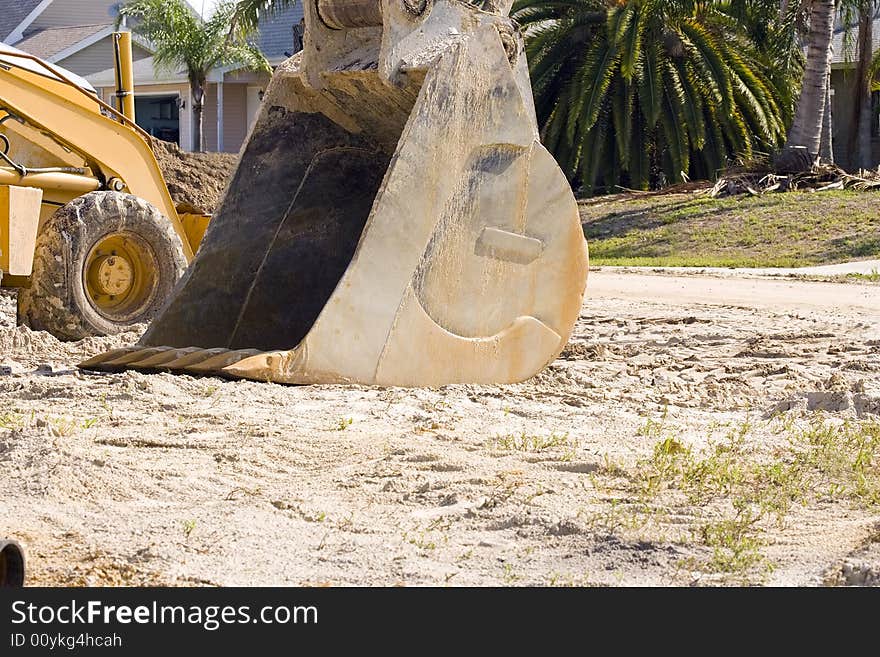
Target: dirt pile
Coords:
[[195, 180]]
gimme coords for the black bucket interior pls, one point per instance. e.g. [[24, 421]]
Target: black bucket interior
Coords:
[[282, 239]]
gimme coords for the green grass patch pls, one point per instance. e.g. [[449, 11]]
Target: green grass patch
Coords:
[[873, 277], [734, 489], [791, 229]]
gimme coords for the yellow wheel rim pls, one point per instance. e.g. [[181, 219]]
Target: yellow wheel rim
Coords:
[[120, 276]]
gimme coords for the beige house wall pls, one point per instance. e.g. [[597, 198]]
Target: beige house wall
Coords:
[[234, 117], [97, 57]]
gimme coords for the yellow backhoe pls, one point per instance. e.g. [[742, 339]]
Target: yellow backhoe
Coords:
[[88, 230], [393, 218]]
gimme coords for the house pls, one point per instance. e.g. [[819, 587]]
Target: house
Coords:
[[77, 35], [843, 70]]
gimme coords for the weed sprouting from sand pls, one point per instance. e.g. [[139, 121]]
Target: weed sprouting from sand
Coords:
[[209, 391], [106, 406], [654, 428], [63, 427], [233, 493], [538, 492], [618, 516], [650, 429], [611, 467], [12, 421], [557, 579], [342, 424], [736, 543], [59, 426], [188, 527], [570, 581], [508, 483], [524, 442], [509, 576], [423, 540], [846, 456]]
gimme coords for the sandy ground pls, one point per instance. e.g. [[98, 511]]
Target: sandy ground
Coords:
[[136, 479]]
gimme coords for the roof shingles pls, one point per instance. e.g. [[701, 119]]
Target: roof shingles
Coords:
[[275, 37], [52, 41], [12, 13], [843, 43]]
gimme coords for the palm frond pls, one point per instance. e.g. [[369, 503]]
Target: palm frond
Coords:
[[659, 89]]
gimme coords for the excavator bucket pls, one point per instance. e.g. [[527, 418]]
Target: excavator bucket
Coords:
[[393, 219]]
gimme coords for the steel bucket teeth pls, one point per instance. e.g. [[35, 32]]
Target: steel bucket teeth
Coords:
[[131, 359], [97, 362], [160, 360], [214, 364], [121, 358], [192, 360]]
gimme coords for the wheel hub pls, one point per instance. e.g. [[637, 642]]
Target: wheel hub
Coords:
[[120, 275], [112, 275]]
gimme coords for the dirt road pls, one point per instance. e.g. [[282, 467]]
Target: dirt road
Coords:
[[745, 292], [696, 430]]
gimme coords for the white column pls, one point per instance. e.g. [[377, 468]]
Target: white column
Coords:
[[220, 115]]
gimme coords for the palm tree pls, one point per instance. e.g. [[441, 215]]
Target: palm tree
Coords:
[[806, 130], [646, 91], [776, 29], [182, 39]]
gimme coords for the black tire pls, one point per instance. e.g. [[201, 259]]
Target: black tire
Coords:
[[63, 299]]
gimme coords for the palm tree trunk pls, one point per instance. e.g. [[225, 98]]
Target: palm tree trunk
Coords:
[[862, 104], [826, 149], [806, 130], [198, 94]]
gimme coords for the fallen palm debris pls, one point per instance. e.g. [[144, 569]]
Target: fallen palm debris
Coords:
[[821, 177]]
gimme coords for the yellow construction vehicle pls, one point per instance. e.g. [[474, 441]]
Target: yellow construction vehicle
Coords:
[[88, 230], [393, 218]]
